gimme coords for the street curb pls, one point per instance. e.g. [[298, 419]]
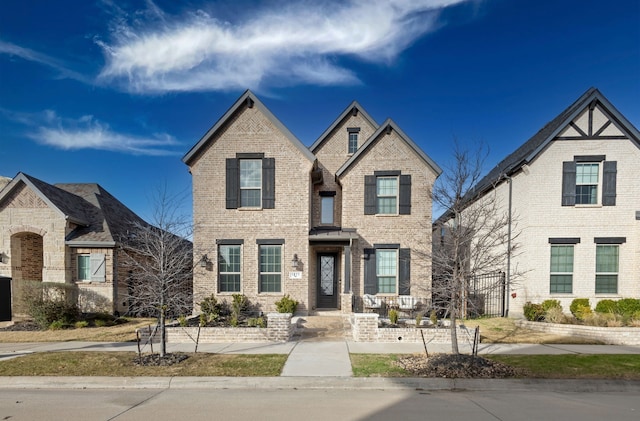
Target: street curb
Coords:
[[309, 383]]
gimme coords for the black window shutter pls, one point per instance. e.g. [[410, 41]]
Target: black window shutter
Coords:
[[568, 183], [369, 194], [370, 278], [232, 183], [268, 183], [405, 195], [404, 274], [609, 172]]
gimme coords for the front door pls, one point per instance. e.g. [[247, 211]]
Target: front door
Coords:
[[327, 281]]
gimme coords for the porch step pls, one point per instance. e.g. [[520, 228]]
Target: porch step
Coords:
[[323, 328]]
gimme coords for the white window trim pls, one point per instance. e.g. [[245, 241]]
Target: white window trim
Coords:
[[397, 196], [260, 273], [259, 188], [378, 276], [551, 273], [617, 274], [598, 186], [230, 273]]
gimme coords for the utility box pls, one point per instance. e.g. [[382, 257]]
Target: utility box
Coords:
[[5, 299]]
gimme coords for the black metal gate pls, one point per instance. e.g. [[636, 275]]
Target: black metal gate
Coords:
[[485, 295], [5, 299]]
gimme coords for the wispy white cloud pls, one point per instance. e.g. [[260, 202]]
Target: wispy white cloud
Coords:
[[294, 43], [30, 55], [86, 132]]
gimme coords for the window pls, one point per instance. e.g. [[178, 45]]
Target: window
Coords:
[[386, 270], [561, 269], [607, 268], [250, 183], [84, 267], [91, 267], [387, 195], [587, 179], [353, 140], [326, 210], [270, 268], [229, 268]]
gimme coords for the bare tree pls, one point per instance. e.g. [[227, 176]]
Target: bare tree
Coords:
[[159, 260], [473, 237]]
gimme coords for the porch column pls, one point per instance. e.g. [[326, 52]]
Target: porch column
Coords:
[[347, 269]]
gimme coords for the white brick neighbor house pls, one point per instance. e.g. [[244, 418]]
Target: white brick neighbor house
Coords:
[[575, 201], [348, 216], [65, 233]]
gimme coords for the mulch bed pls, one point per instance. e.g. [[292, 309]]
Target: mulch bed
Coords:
[[21, 327], [155, 360], [459, 366]]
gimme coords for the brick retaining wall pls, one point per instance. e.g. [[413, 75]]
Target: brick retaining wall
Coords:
[[279, 329], [364, 327], [608, 335]]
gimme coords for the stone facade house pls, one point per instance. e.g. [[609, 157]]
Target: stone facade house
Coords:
[[575, 199], [66, 233], [348, 216]]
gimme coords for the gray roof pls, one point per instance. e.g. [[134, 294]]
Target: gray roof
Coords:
[[245, 99], [529, 150], [102, 220], [388, 124], [339, 120]]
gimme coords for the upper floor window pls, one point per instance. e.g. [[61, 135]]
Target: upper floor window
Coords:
[[589, 180], [326, 210], [353, 139], [387, 193], [250, 181]]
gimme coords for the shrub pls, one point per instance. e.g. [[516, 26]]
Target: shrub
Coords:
[[58, 324], [393, 316], [256, 322], [433, 316], [419, 319], [606, 306], [286, 305], [210, 308], [533, 312], [47, 302], [238, 305], [580, 307], [628, 306], [554, 315], [549, 304], [81, 324], [182, 320]]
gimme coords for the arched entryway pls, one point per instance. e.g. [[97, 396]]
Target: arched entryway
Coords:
[[27, 262]]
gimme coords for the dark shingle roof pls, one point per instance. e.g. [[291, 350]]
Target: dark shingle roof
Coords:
[[100, 217]]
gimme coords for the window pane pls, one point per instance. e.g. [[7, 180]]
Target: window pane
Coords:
[[561, 283], [386, 269], [587, 173], [606, 284], [387, 186], [562, 259], [353, 142], [607, 259], [387, 192], [326, 210], [230, 283], [270, 268], [229, 259], [586, 195], [250, 198], [250, 173], [84, 268]]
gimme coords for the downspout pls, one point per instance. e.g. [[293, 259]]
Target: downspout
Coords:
[[510, 181]]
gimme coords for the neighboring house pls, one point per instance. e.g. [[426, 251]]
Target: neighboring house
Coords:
[[349, 216], [575, 201], [65, 233]]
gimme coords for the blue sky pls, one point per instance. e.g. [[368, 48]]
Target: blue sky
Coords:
[[116, 92]]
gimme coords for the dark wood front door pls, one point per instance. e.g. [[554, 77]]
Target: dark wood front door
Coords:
[[327, 280]]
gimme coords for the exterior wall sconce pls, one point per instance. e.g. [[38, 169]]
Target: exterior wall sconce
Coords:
[[204, 261], [3, 257], [295, 261]]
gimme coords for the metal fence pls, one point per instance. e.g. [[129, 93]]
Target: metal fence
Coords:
[[486, 295]]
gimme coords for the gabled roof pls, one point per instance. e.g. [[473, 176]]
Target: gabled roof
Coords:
[[102, 220], [250, 100], [338, 121], [388, 125], [536, 144]]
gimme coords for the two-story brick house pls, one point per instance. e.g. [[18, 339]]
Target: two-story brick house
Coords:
[[575, 200], [348, 216]]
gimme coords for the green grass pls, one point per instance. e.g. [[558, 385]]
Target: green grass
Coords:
[[115, 364], [376, 365], [569, 366]]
